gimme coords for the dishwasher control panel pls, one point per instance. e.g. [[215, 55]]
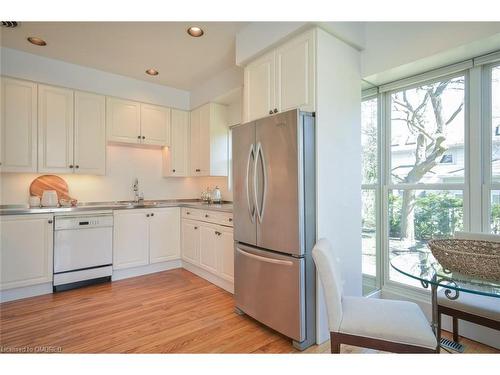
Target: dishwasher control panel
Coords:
[[83, 221]]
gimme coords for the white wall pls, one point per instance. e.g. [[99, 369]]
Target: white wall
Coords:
[[394, 50], [338, 160], [123, 164], [27, 66]]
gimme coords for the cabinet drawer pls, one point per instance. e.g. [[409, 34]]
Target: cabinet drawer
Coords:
[[218, 217], [192, 213]]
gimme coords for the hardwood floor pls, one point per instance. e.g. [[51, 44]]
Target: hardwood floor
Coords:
[[168, 312]]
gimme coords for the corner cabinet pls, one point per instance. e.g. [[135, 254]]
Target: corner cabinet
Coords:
[[18, 127], [145, 236], [209, 141], [26, 260], [176, 156], [282, 79], [137, 123]]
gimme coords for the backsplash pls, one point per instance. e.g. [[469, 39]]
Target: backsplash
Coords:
[[123, 164]]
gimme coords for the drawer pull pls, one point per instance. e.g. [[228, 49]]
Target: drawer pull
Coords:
[[195, 227], [218, 233], [50, 221], [207, 215], [188, 213], [230, 219], [198, 170]]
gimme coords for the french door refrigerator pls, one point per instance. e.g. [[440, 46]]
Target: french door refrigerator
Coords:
[[274, 223]]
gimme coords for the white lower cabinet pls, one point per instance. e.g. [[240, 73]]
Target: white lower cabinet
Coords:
[[145, 236], [208, 245], [26, 250]]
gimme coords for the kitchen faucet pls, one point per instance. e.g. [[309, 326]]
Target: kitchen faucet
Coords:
[[138, 197]]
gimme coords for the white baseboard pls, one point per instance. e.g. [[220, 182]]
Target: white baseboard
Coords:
[[145, 270], [472, 331], [25, 292], [220, 282]]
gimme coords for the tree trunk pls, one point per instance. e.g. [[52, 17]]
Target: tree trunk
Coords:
[[407, 216]]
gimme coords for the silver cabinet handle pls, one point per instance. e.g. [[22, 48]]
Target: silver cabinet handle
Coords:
[[251, 210], [265, 259]]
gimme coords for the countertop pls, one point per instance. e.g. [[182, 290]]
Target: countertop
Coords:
[[116, 205]]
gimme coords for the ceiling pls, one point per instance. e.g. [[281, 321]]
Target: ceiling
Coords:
[[129, 48]]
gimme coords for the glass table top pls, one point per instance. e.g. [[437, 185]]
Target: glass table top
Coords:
[[424, 267]]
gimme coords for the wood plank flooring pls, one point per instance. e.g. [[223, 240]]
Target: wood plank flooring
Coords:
[[167, 312]]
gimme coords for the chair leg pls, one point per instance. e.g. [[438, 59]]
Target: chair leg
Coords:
[[335, 344], [455, 329]]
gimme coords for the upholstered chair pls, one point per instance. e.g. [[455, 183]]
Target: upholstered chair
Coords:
[[388, 325]]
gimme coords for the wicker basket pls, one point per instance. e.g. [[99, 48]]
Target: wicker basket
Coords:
[[469, 257]]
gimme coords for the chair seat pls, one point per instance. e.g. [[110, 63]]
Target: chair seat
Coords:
[[486, 307], [395, 321]]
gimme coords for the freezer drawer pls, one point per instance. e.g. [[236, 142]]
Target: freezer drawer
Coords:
[[270, 288]]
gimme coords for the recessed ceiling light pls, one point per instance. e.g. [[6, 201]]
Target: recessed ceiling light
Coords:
[[195, 31], [152, 72], [37, 41]]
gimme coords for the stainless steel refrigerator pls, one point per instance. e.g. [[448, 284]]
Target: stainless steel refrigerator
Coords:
[[274, 223]]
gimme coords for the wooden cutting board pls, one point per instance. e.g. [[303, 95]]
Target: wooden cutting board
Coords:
[[50, 182]]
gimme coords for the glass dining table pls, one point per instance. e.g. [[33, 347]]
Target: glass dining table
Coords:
[[422, 266]]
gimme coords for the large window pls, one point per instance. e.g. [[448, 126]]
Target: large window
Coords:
[[494, 114], [369, 213], [427, 139]]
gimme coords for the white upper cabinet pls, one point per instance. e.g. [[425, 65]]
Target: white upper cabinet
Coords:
[[282, 79], [18, 127], [138, 123], [155, 125], [176, 156], [209, 141], [123, 120], [90, 134], [55, 129], [259, 90], [27, 248], [295, 74]]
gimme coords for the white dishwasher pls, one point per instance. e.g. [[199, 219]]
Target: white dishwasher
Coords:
[[83, 249]]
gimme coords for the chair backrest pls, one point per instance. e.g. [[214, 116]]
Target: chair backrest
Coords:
[[329, 273], [477, 236]]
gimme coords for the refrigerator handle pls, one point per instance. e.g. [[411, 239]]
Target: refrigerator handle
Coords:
[[251, 210], [260, 154], [265, 259]]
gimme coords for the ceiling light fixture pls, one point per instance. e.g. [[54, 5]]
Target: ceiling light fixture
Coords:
[[37, 41], [152, 72], [195, 31]]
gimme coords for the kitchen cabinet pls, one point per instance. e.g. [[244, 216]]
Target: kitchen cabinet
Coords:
[[145, 236], [190, 241], [123, 120], [209, 141], [176, 156], [90, 134], [137, 123], [155, 125], [164, 235], [208, 244], [259, 86], [26, 259], [55, 129], [282, 79], [18, 127]]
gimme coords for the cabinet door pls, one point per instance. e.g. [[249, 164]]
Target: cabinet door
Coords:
[[176, 156], [55, 129], [155, 125], [295, 74], [164, 234], [204, 139], [191, 241], [18, 127], [195, 143], [225, 253], [90, 133], [130, 239], [26, 259], [123, 120], [259, 87], [208, 249]]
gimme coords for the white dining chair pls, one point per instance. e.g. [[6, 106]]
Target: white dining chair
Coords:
[[388, 325], [473, 308]]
